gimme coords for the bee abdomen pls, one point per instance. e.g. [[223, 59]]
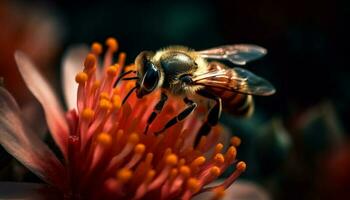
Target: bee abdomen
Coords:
[[236, 103]]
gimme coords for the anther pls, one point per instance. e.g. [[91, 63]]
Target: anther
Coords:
[[218, 193], [134, 138], [112, 44], [81, 77], [96, 48], [185, 171], [235, 141], [104, 95], [117, 102], [193, 185], [87, 114], [90, 61], [231, 153], [241, 166], [140, 148], [215, 171], [171, 159], [124, 175], [95, 85], [112, 71], [219, 158], [105, 104], [198, 161], [104, 138]]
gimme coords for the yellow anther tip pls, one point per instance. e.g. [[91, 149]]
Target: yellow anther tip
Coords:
[[105, 104], [241, 166], [171, 159], [235, 141], [90, 61], [150, 175], [96, 48], [199, 161], [232, 151], [104, 95], [219, 193], [185, 171], [117, 102], [219, 158], [81, 77], [193, 185], [140, 148], [124, 175], [87, 114], [134, 138], [104, 138], [215, 171], [112, 43], [112, 71]]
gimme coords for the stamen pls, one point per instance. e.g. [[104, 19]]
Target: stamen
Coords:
[[112, 44], [235, 141], [104, 95], [193, 185], [124, 174], [105, 104], [219, 159], [90, 61], [112, 71], [231, 154], [81, 77], [96, 48], [241, 166], [117, 102], [218, 193], [121, 59], [215, 171], [104, 139], [87, 114], [185, 171], [218, 148], [197, 162]]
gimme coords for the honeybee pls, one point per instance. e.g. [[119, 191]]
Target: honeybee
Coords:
[[184, 72]]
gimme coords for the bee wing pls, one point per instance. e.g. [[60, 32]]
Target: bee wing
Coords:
[[235, 80], [238, 54]]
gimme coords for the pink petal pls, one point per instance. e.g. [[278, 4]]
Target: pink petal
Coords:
[[45, 95], [72, 64], [34, 117], [27, 191], [25, 145]]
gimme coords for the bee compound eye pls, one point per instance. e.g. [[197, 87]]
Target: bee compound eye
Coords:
[[151, 77]]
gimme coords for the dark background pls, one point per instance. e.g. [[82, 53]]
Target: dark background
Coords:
[[293, 142]]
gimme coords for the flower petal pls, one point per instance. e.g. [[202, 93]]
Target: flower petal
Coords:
[[27, 191], [47, 98], [72, 64], [25, 145]]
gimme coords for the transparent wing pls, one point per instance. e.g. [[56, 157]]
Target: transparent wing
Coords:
[[238, 54], [235, 80]]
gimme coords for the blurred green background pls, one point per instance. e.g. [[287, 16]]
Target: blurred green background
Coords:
[[296, 144]]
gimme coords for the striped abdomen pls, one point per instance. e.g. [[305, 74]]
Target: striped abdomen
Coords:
[[235, 103]]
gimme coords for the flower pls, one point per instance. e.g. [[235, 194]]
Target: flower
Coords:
[[106, 154]]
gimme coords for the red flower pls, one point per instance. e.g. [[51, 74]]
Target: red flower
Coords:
[[106, 153]]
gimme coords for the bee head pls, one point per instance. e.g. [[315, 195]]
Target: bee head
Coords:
[[148, 74]]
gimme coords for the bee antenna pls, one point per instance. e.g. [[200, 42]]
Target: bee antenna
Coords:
[[129, 93]]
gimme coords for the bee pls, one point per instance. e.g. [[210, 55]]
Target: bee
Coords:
[[184, 72]]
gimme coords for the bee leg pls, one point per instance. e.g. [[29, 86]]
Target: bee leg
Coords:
[[188, 110], [213, 116], [157, 109]]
